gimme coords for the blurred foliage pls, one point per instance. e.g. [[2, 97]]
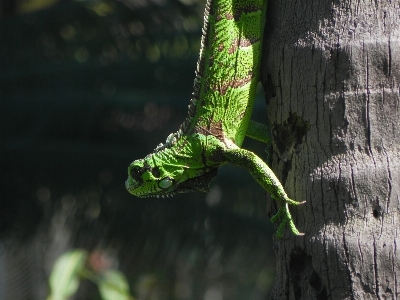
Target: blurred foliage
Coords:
[[28, 6], [64, 278], [85, 88], [76, 265]]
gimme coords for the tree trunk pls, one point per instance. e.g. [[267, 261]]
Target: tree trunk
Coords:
[[331, 71]]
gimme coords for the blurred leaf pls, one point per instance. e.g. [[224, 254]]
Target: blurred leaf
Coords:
[[64, 279], [114, 286], [32, 5]]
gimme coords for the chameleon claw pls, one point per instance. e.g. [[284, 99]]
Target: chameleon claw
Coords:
[[293, 202], [284, 215], [278, 215], [281, 228]]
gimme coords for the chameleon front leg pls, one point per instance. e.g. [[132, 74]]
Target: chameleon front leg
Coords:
[[267, 179], [261, 132], [258, 131]]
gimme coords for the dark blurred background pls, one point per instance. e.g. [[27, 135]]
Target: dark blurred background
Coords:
[[86, 87]]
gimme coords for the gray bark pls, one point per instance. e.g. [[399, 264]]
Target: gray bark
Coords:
[[331, 71]]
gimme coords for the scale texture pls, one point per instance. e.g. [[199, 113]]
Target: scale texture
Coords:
[[219, 114]]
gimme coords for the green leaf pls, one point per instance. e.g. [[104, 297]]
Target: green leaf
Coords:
[[114, 286], [64, 278]]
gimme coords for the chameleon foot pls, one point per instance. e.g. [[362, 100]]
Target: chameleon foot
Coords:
[[284, 216]]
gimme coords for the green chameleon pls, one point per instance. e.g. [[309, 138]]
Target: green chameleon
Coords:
[[219, 114]]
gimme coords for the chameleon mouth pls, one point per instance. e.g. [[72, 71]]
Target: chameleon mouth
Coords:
[[132, 185], [156, 195], [178, 190], [196, 184], [160, 194], [128, 185]]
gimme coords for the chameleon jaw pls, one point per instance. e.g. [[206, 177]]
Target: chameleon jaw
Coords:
[[162, 194], [132, 186], [197, 184]]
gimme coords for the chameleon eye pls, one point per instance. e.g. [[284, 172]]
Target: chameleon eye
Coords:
[[165, 183], [155, 172], [134, 172]]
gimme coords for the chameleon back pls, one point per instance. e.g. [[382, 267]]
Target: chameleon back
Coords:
[[227, 69]]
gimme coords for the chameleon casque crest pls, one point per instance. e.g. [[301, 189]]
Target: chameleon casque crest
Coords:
[[219, 114]]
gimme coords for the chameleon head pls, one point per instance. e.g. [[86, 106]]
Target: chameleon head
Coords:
[[148, 178]]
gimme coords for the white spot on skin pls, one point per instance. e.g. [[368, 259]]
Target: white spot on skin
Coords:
[[229, 143]]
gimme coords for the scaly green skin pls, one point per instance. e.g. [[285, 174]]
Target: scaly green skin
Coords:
[[219, 114]]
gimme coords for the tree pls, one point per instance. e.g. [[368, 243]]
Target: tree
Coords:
[[331, 72]]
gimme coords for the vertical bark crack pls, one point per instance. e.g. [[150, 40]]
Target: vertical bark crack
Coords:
[[360, 249], [346, 250], [389, 185], [376, 271], [389, 58], [353, 184], [367, 113]]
